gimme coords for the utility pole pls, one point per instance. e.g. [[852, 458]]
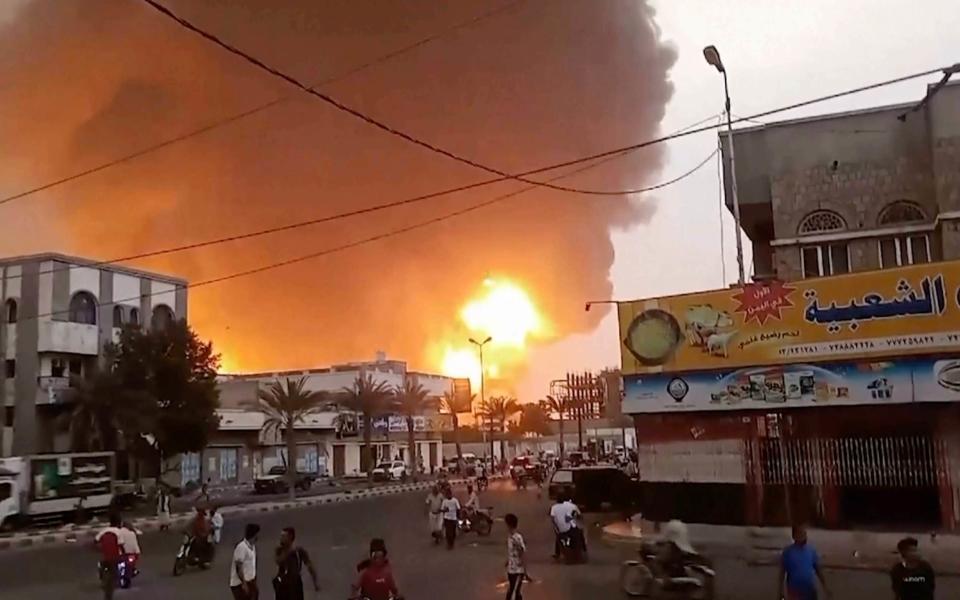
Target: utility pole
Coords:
[[483, 395]]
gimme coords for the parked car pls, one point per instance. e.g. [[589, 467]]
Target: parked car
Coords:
[[594, 488], [275, 481], [389, 471]]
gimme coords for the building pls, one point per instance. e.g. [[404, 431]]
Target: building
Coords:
[[58, 313], [823, 390], [329, 441]]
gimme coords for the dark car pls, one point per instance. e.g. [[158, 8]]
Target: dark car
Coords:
[[275, 481], [595, 488]]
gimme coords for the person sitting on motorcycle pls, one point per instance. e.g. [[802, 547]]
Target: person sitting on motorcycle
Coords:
[[473, 504], [131, 546], [199, 532], [676, 552], [108, 541], [563, 515], [375, 577]]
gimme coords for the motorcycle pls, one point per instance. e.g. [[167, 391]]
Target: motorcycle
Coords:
[[645, 577], [482, 483], [193, 555], [480, 523], [124, 572], [573, 547]]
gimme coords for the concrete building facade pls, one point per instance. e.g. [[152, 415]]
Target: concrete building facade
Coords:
[[58, 314], [329, 441]]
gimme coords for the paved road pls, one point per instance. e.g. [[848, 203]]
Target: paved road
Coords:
[[337, 536]]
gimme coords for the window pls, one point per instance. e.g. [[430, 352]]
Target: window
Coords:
[[135, 317], [57, 368], [6, 490], [11, 310], [162, 317], [901, 212], [824, 259], [904, 250], [821, 221], [76, 366], [118, 316], [83, 308], [10, 367]]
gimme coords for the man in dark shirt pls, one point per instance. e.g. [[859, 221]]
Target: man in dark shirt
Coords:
[[912, 577]]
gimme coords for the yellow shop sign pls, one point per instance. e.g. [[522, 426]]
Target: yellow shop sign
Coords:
[[896, 312]]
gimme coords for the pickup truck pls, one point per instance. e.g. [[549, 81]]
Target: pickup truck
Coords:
[[275, 481], [52, 486]]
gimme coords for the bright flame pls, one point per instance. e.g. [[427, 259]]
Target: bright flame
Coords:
[[504, 313]]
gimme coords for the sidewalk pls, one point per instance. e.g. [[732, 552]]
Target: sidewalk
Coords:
[[69, 534], [859, 550]]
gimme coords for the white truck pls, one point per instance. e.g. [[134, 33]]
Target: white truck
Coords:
[[47, 486]]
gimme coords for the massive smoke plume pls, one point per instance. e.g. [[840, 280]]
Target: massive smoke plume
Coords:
[[540, 82]]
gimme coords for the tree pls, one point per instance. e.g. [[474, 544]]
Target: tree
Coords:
[[93, 421], [560, 406], [410, 400], [499, 410], [284, 406], [534, 419], [371, 400], [171, 374], [452, 404]]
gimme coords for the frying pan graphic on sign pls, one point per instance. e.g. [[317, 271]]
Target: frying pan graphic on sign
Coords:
[[653, 337]]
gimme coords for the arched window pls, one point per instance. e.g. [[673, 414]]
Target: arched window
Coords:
[[118, 316], [827, 258], [162, 317], [83, 308], [10, 313], [135, 317], [901, 211], [821, 221]]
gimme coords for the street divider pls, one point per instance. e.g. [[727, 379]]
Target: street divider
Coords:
[[80, 534]]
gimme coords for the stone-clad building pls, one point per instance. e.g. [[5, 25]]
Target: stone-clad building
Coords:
[[852, 191]]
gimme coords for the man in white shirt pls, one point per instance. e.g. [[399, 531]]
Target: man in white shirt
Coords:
[[243, 567], [450, 509], [564, 515]]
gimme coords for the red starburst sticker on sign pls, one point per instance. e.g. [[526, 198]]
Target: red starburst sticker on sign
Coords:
[[762, 301]]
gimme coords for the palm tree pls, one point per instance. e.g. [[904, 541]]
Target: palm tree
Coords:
[[410, 400], [559, 406], [370, 399], [500, 409], [452, 404], [283, 406]]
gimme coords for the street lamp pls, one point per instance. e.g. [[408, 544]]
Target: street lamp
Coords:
[[712, 55], [588, 305], [483, 396]]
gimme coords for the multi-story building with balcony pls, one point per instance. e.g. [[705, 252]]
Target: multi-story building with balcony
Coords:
[[58, 314]]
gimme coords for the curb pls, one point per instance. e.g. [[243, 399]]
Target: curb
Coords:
[[86, 533]]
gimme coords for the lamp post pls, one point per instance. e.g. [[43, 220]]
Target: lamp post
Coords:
[[713, 58], [483, 396]]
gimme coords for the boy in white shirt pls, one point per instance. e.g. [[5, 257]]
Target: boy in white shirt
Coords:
[[243, 567], [516, 558], [216, 524], [450, 509]]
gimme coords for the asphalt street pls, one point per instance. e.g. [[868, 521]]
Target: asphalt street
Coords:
[[337, 535]]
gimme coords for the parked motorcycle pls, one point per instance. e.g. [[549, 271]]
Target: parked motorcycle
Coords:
[[481, 523], [646, 577], [192, 554]]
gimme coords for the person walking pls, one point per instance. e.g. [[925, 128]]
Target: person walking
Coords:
[[800, 569], [243, 567], [163, 508], [912, 577], [216, 524], [288, 584], [516, 558], [450, 509], [434, 518]]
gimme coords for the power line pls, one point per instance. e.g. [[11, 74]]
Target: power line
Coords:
[[390, 233], [337, 104], [601, 155], [257, 109], [357, 212]]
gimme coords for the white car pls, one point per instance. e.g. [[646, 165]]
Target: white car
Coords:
[[387, 471]]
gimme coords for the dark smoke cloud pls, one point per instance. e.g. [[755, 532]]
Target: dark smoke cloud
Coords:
[[542, 82]]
